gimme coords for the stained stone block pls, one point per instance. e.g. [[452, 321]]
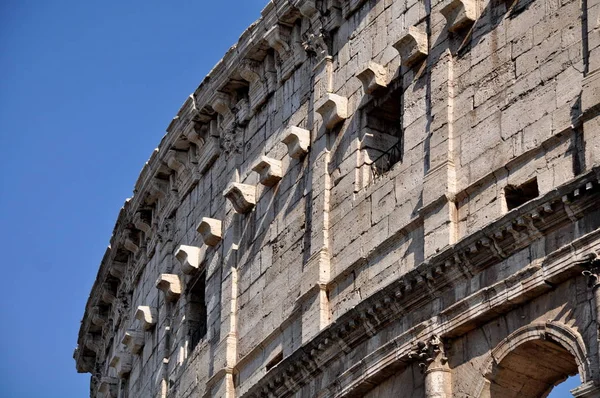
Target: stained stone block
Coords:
[[117, 269], [412, 46], [333, 108], [147, 316], [211, 230], [174, 161], [170, 285], [459, 14], [190, 258], [122, 362], [269, 170], [108, 387], [141, 224], [133, 340], [297, 140], [373, 77], [241, 196]]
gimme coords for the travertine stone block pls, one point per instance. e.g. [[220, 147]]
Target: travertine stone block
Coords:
[[269, 170], [147, 315], [141, 224], [412, 46], [241, 196], [108, 387], [210, 153], [251, 72], [297, 140], [122, 362], [459, 14], [157, 189], [133, 340], [333, 108], [117, 269], [173, 160], [211, 231], [373, 77], [97, 317], [108, 294], [190, 258], [308, 8], [278, 38], [170, 285], [221, 103]]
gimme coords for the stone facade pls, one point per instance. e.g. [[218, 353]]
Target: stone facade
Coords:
[[367, 198]]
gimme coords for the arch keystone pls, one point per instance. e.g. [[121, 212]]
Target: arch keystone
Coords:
[[211, 230], [147, 315], [241, 196], [297, 140], [269, 170], [190, 258], [170, 285], [412, 46]]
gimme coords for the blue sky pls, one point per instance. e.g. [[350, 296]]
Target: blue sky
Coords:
[[86, 92]]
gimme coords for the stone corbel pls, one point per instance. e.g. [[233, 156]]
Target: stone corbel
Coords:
[[108, 387], [412, 46], [211, 231], [269, 170], [128, 243], [93, 342], [333, 108], [242, 111], [192, 136], [190, 258], [250, 71], [174, 162], [133, 340], [107, 294], [117, 269], [373, 78], [308, 8], [241, 196], [122, 363], [141, 224], [147, 316], [278, 38], [170, 285], [97, 317], [158, 188], [221, 103], [459, 14], [297, 140]]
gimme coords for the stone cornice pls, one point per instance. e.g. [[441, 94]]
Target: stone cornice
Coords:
[[480, 250]]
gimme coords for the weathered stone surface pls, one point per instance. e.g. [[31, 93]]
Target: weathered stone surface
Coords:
[[467, 266]]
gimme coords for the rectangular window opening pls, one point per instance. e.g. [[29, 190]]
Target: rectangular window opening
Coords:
[[196, 311], [518, 195], [278, 358]]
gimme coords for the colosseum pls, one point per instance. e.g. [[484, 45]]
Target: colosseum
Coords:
[[367, 198]]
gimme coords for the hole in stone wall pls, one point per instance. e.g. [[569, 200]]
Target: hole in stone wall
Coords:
[[517, 195], [196, 311], [278, 358]]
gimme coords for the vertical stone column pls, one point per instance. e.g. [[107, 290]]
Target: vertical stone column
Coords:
[[592, 273], [434, 364]]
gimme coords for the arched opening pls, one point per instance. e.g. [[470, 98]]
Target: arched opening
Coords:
[[531, 370]]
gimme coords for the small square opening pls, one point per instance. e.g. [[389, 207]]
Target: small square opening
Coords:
[[516, 195]]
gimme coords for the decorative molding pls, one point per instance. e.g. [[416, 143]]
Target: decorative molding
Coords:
[[147, 316], [297, 140], [241, 196], [190, 258], [333, 108], [270, 171], [429, 351], [211, 231], [373, 77], [412, 46], [459, 14], [133, 340], [170, 285], [122, 362]]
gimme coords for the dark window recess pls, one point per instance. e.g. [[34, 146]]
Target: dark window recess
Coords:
[[278, 358], [384, 140], [517, 195], [196, 311]]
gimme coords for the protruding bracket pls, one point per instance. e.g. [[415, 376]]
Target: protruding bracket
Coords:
[[108, 387], [211, 231], [278, 38], [128, 243], [249, 70], [158, 188], [147, 315], [93, 342], [221, 103], [190, 258], [308, 8], [140, 223], [97, 317], [133, 340], [173, 161], [412, 46], [241, 196], [270, 171], [373, 78], [170, 285], [107, 294], [117, 269], [333, 108], [297, 140], [122, 363], [459, 14]]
